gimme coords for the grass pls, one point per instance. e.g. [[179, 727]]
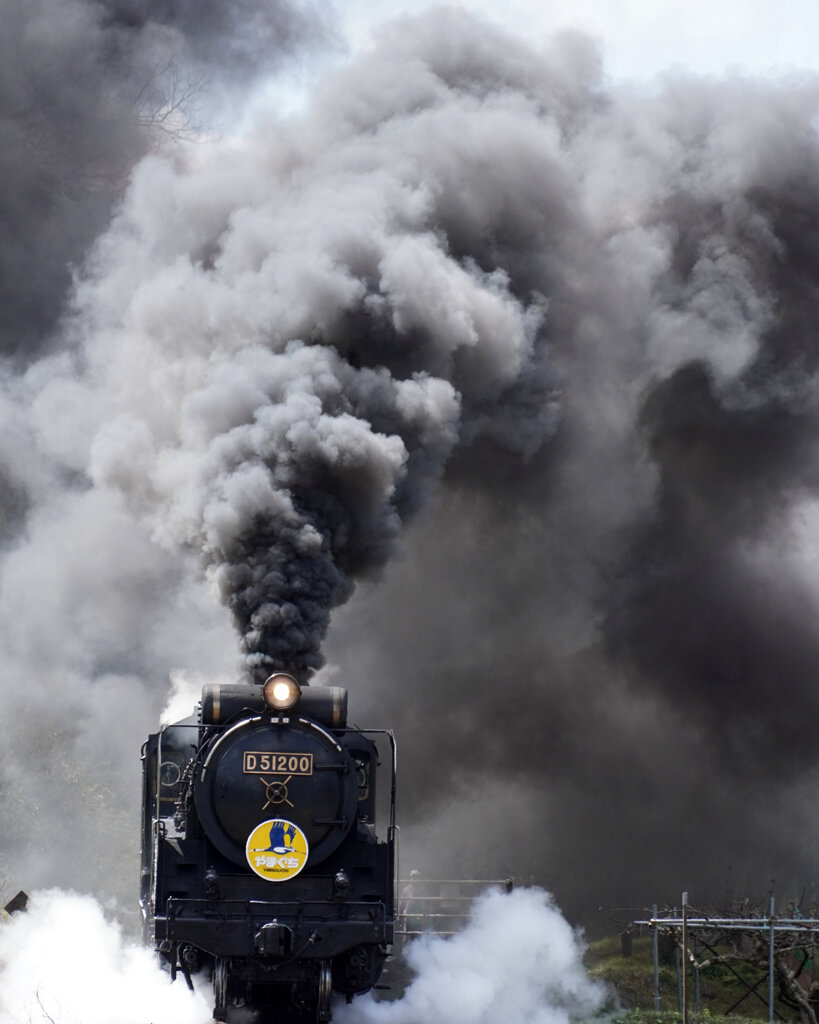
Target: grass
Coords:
[[674, 1017], [632, 980]]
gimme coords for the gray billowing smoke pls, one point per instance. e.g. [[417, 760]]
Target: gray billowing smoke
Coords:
[[90, 604], [235, 41], [89, 87], [550, 339], [334, 352]]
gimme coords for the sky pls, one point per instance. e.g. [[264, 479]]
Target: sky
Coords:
[[641, 40], [458, 360]]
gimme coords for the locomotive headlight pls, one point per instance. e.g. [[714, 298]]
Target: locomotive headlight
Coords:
[[281, 691]]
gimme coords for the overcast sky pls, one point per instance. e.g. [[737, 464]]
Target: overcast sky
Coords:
[[643, 37], [638, 39]]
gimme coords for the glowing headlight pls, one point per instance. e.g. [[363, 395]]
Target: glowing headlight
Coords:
[[281, 691]]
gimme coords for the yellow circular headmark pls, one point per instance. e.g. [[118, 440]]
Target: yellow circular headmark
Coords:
[[277, 850]]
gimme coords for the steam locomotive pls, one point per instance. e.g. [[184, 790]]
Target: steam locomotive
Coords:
[[262, 863]]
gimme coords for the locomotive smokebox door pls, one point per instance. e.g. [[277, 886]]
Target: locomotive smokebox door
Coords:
[[260, 770]]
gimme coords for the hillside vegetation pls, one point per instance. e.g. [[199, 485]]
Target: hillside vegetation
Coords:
[[717, 999]]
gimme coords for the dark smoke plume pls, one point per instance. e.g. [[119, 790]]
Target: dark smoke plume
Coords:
[[235, 40], [548, 342]]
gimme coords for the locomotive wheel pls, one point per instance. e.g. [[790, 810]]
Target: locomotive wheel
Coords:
[[323, 992], [225, 992], [316, 1006], [309, 1005], [220, 990]]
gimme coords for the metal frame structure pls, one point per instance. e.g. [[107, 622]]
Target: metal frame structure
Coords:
[[685, 925], [445, 911]]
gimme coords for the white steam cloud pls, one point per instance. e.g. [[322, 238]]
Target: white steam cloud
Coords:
[[517, 960], [64, 960]]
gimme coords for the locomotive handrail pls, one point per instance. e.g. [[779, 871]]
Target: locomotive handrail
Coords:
[[394, 749], [486, 882], [243, 724], [446, 899], [331, 739]]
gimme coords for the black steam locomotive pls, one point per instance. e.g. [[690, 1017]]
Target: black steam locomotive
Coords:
[[261, 863]]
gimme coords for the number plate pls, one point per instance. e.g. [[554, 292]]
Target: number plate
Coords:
[[257, 762]]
